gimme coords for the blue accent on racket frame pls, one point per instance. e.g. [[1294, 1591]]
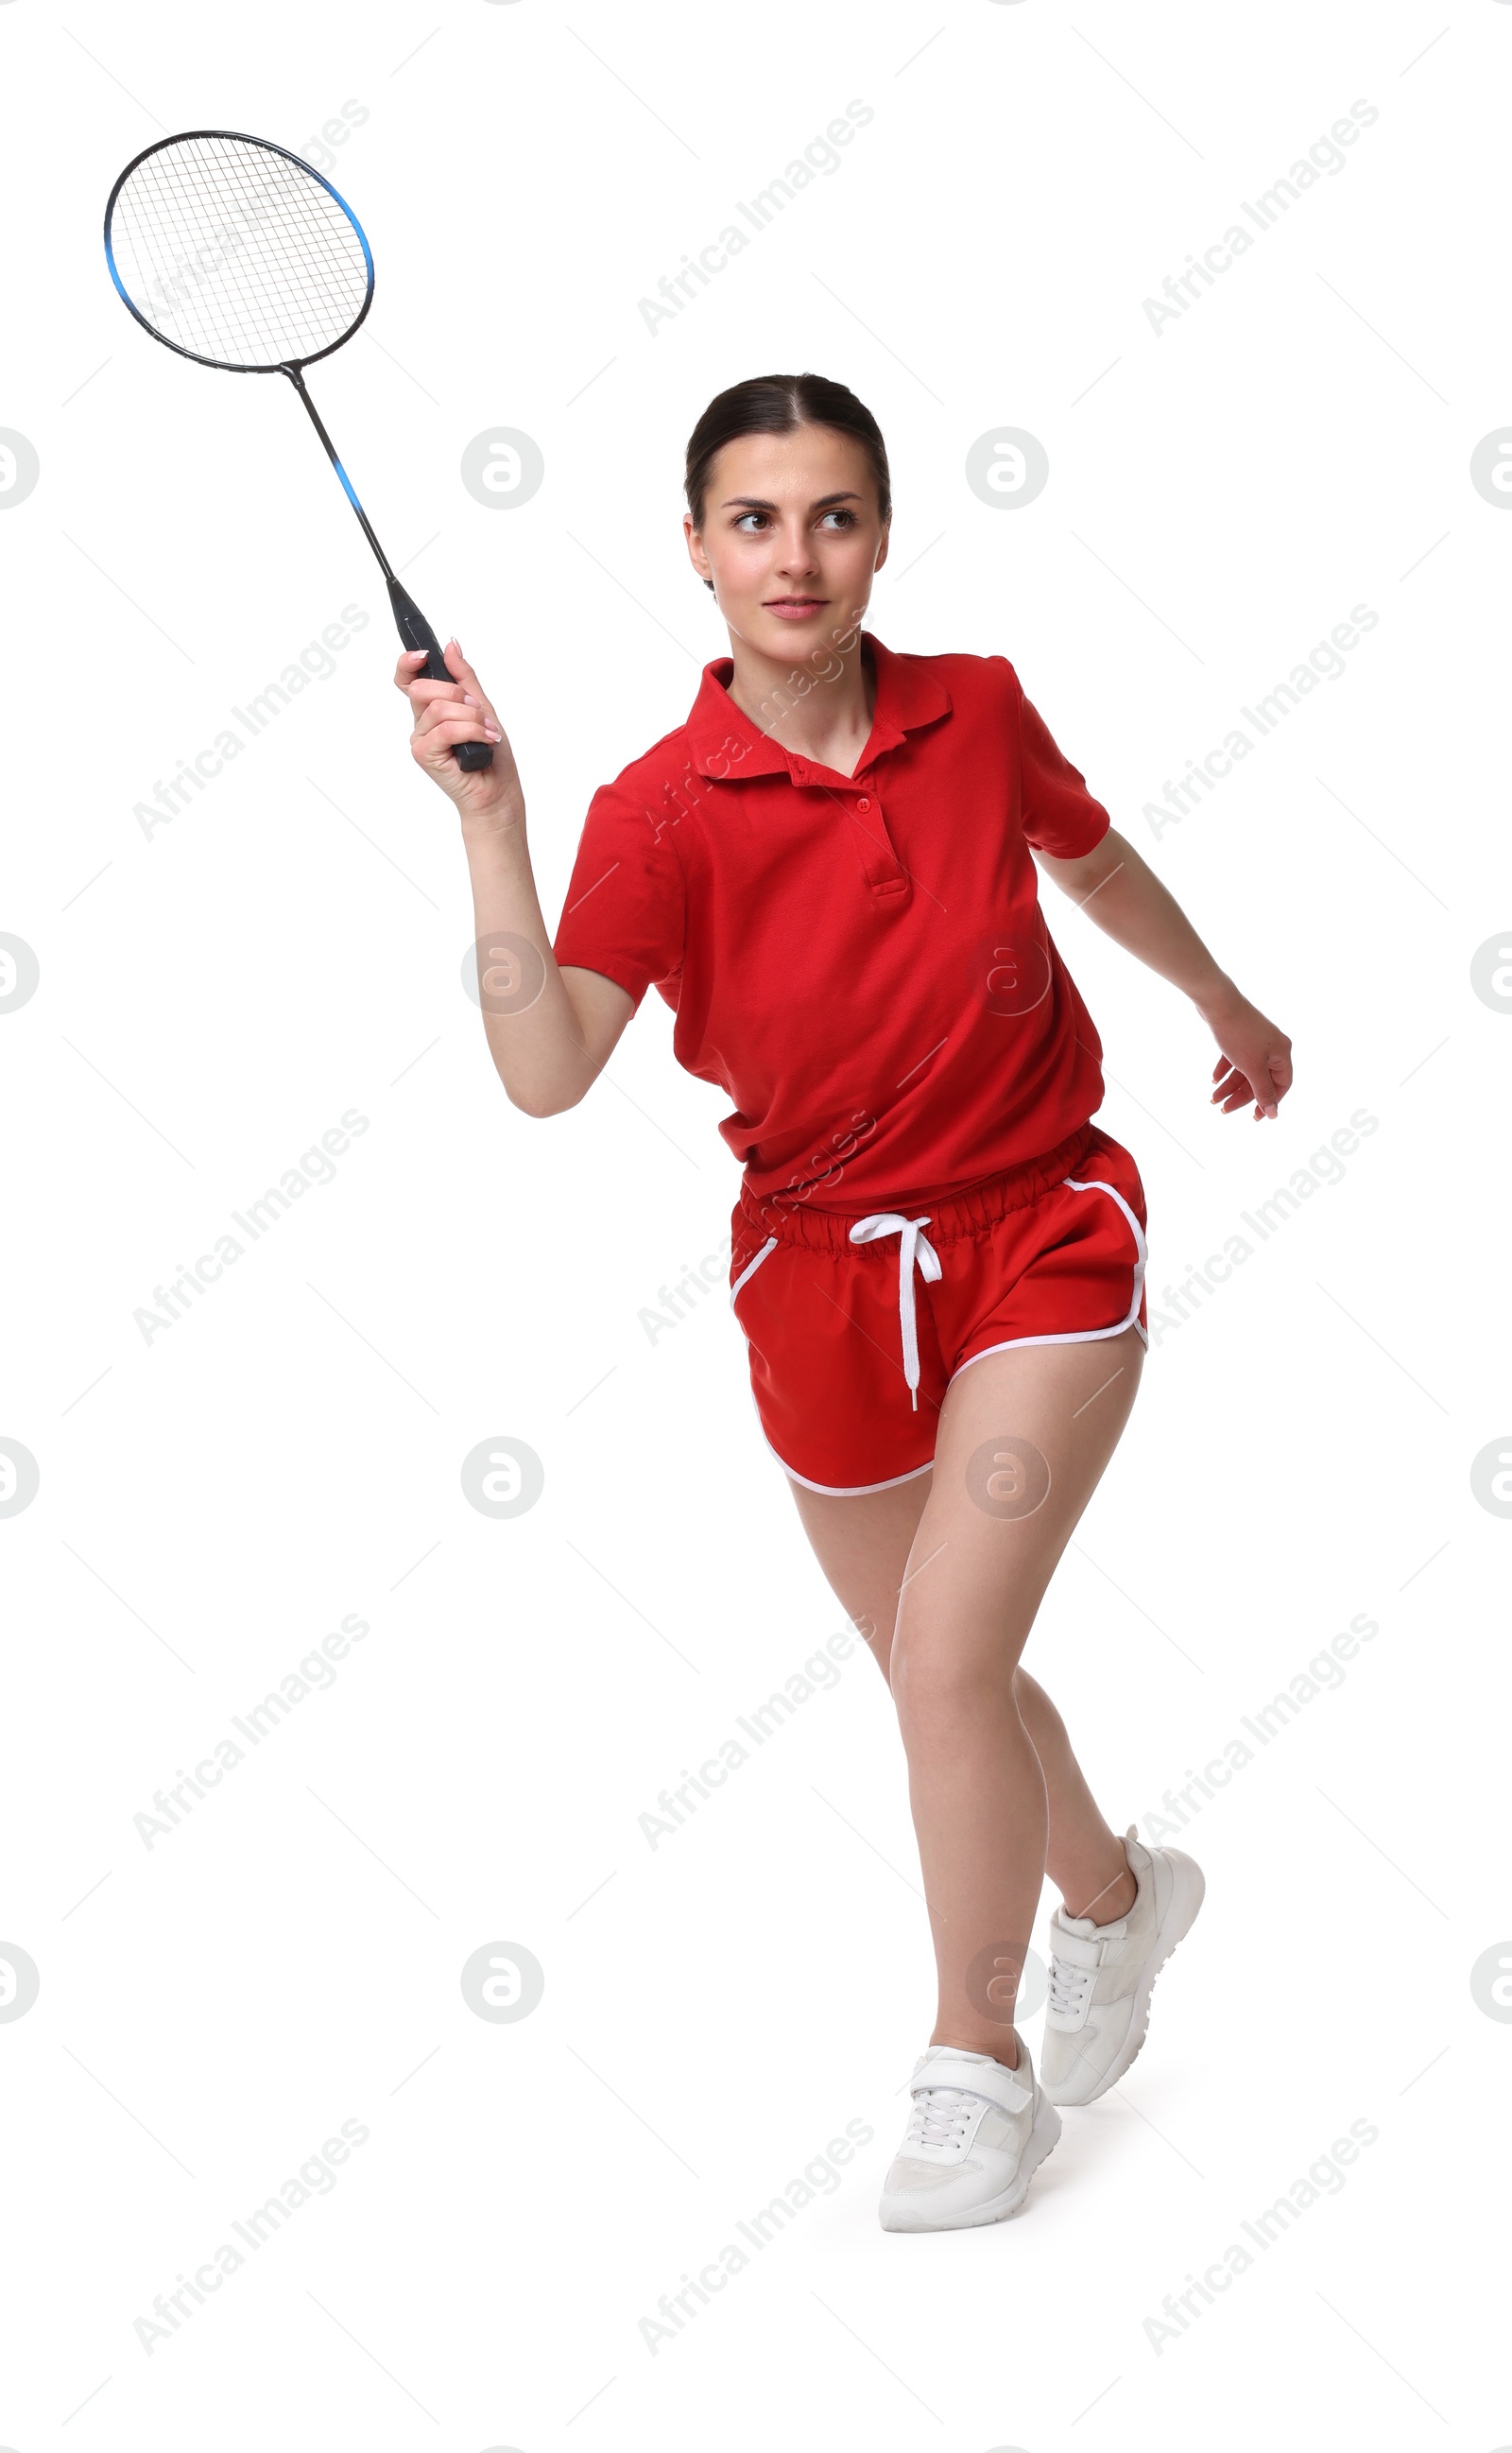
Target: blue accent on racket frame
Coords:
[[361, 234], [347, 482], [110, 257]]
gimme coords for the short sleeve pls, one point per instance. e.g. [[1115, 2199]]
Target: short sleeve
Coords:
[[1060, 814], [625, 909]]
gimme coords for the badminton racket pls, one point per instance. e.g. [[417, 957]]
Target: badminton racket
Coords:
[[237, 255]]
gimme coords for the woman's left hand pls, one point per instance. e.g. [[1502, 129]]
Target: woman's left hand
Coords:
[[1256, 1060]]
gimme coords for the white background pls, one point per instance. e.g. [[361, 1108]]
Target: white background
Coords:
[[213, 997]]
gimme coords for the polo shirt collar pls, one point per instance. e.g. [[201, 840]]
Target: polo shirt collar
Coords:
[[910, 693]]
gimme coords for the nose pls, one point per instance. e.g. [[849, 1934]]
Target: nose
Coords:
[[797, 558]]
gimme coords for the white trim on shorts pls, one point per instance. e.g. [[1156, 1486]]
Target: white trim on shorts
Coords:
[[751, 1267], [1084, 1336], [835, 1489]]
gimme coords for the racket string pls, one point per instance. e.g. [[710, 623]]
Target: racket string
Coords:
[[230, 304], [238, 253], [311, 212], [207, 238]]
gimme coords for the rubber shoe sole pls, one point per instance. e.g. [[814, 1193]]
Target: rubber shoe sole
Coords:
[[1187, 1891], [1042, 2138]]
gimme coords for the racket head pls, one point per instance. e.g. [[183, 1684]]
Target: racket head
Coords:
[[236, 253]]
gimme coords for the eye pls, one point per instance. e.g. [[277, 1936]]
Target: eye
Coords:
[[847, 518], [740, 524]]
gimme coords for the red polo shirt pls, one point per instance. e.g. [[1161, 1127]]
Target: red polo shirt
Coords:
[[860, 962]]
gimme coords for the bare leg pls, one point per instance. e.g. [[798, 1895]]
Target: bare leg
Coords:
[[946, 1589], [1083, 1857]]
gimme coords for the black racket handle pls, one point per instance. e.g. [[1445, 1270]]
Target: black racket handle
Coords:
[[416, 632]]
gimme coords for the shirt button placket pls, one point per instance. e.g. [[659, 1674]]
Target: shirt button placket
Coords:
[[881, 865]]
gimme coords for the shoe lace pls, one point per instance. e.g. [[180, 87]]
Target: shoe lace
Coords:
[[940, 2116], [1069, 1984]]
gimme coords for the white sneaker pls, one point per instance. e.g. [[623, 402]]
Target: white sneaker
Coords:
[[1099, 2011], [974, 2137]]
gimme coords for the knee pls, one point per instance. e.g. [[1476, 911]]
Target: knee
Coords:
[[1038, 1712], [942, 1678]]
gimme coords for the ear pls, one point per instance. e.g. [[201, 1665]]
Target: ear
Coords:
[[695, 549], [887, 540]]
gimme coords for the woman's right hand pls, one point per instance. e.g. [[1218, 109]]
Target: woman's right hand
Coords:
[[446, 712]]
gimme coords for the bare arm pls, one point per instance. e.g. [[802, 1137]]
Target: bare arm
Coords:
[[551, 1031], [1114, 886]]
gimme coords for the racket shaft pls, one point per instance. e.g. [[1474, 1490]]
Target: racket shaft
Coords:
[[416, 632]]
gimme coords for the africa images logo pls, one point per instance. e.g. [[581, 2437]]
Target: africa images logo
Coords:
[[1324, 158]]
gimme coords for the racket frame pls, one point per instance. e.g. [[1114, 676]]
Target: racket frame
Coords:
[[235, 136]]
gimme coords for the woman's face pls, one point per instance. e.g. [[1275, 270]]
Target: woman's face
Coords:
[[791, 538]]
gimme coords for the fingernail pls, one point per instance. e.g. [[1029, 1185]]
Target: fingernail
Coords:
[[490, 734], [468, 701]]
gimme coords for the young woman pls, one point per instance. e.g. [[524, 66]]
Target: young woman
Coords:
[[937, 1257]]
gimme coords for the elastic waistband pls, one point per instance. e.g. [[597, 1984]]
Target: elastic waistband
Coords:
[[960, 1213]]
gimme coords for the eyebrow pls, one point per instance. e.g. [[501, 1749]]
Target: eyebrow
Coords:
[[758, 501]]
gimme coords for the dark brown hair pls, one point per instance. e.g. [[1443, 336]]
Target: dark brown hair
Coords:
[[779, 405]]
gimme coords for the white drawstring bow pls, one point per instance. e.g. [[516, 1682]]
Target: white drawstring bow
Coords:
[[912, 1247]]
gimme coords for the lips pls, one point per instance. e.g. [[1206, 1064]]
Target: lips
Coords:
[[794, 606]]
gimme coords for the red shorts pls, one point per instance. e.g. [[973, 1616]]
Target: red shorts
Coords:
[[856, 1326]]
